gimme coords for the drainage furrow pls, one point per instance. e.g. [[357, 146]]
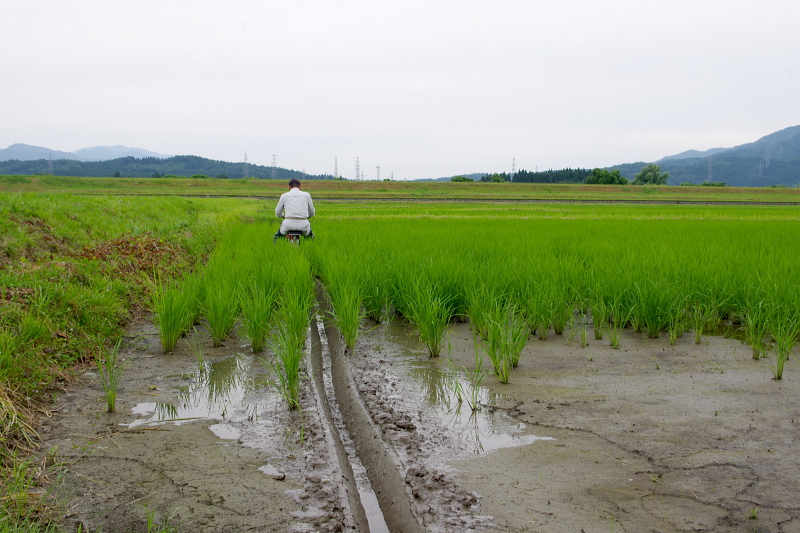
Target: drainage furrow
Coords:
[[382, 465], [351, 487]]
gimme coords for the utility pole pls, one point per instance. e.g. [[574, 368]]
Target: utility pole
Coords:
[[710, 177], [335, 167], [244, 167], [379, 172], [358, 170], [274, 164]]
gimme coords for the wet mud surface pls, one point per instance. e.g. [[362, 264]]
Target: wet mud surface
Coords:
[[648, 437]]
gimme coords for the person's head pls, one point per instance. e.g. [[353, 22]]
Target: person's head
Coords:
[[294, 182]]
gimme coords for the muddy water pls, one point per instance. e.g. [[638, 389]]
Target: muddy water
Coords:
[[648, 437]]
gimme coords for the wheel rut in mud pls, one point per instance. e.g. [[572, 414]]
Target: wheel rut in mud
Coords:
[[382, 466]]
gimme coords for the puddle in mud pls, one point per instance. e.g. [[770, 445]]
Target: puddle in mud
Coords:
[[439, 390], [216, 391]]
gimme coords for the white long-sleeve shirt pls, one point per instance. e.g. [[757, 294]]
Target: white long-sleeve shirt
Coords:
[[295, 204]]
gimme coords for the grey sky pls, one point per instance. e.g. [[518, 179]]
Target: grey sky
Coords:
[[421, 88]]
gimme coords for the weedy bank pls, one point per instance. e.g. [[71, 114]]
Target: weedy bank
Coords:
[[73, 270]]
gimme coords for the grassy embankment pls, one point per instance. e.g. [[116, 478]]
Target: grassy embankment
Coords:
[[395, 189], [73, 270]]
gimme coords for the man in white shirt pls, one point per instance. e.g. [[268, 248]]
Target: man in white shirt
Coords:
[[295, 208]]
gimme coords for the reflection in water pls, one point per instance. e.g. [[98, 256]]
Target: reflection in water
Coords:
[[214, 392], [449, 392]]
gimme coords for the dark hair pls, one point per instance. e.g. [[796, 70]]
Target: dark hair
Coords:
[[294, 182]]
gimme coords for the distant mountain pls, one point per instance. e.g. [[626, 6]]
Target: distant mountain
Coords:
[[771, 160], [104, 153], [688, 154], [25, 152], [180, 165]]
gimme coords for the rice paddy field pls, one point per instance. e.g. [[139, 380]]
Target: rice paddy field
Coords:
[[387, 190], [417, 367]]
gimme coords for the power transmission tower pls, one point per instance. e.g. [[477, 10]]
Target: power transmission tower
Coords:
[[358, 170], [335, 167], [379, 172], [274, 164], [513, 167], [244, 167], [50, 164], [710, 177], [391, 176], [768, 154], [760, 170]]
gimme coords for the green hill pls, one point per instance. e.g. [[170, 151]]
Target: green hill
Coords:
[[772, 160], [180, 165]]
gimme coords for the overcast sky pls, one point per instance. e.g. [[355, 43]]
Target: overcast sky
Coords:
[[422, 88]]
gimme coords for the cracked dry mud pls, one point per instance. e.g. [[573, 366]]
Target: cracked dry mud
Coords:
[[646, 438]]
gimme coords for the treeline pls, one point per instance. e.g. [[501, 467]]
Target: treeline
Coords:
[[567, 175], [131, 167]]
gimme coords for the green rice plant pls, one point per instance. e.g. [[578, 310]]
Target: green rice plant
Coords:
[[221, 307], [376, 293], [754, 318], [175, 307], [507, 332], [653, 307], [584, 331], [257, 302], [476, 381], [677, 318], [289, 356], [573, 329], [196, 348], [697, 320], [344, 290], [600, 313], [293, 315], [430, 314], [480, 298], [784, 327], [619, 318], [451, 377], [703, 317], [109, 371]]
